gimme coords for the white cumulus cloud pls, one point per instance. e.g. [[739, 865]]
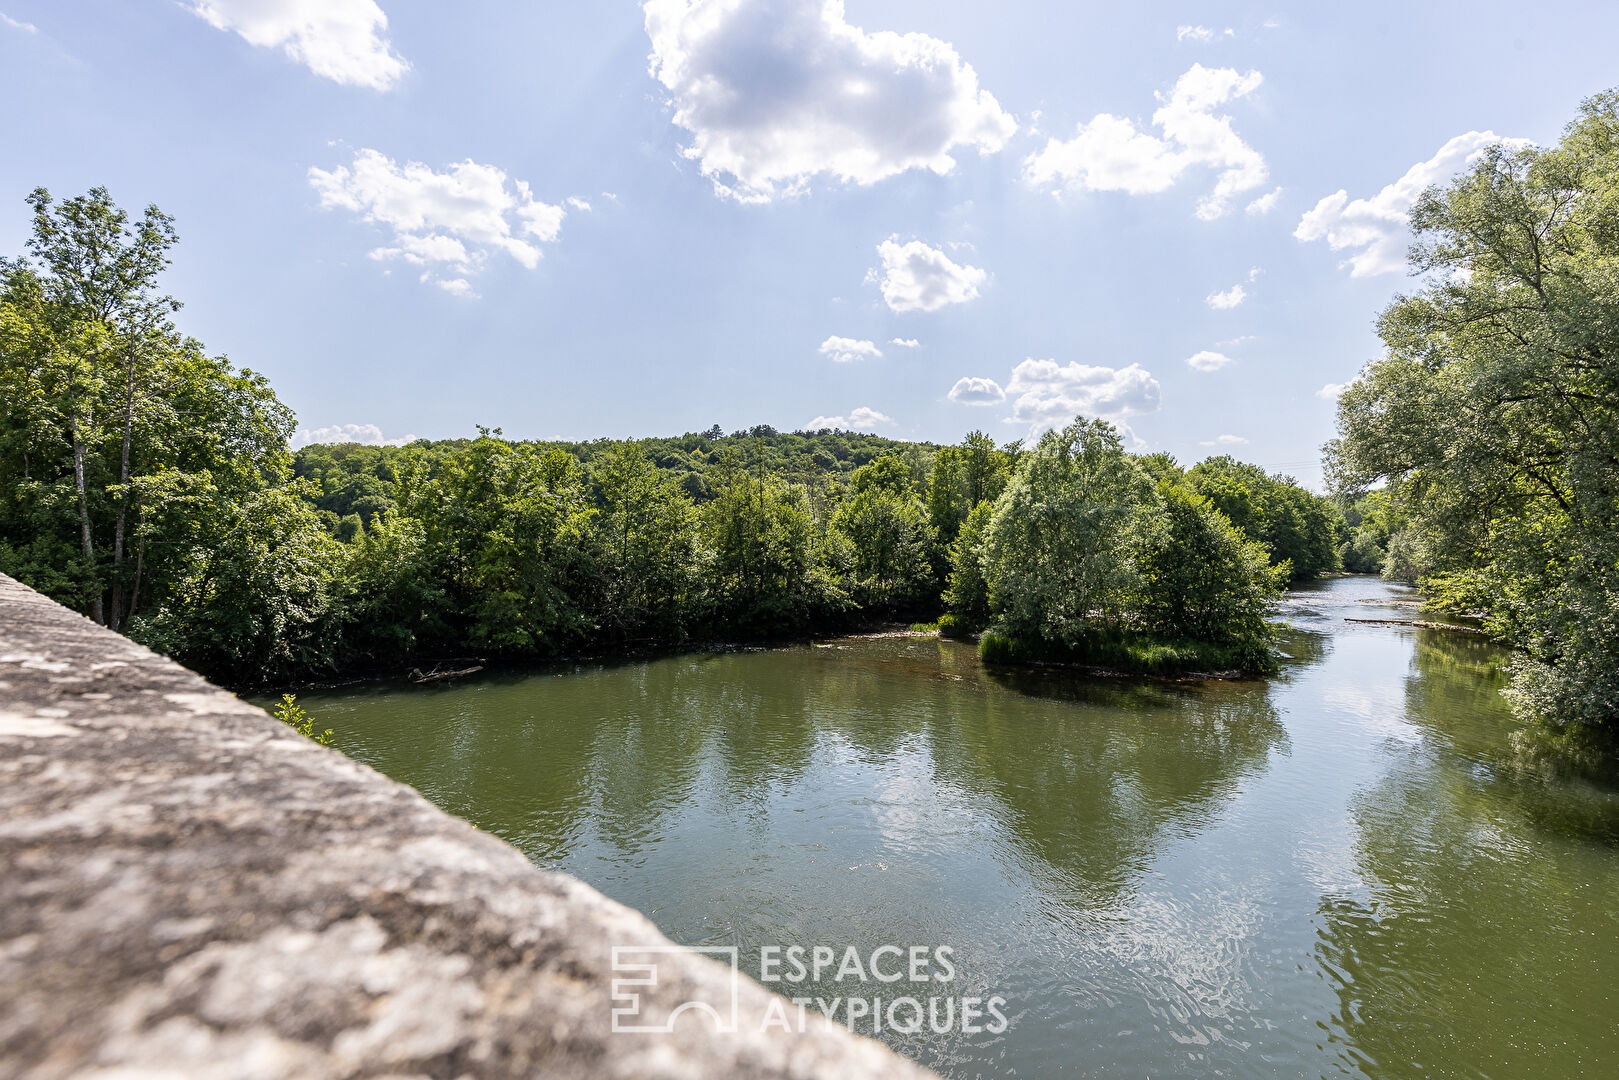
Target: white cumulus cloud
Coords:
[[368, 434], [1226, 299], [17, 24], [975, 391], [860, 417], [445, 222], [1224, 440], [1378, 226], [905, 343], [844, 350], [1265, 203], [1046, 394], [1207, 360], [916, 277], [1332, 391], [863, 417], [775, 92], [342, 40], [1110, 154]]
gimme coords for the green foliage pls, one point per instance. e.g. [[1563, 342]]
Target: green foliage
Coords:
[[122, 444], [650, 548], [1056, 552], [1137, 653], [771, 570], [967, 596], [251, 594], [889, 537], [390, 600], [1301, 530], [1200, 577], [1493, 415], [1085, 560], [289, 712], [513, 531], [1371, 520]]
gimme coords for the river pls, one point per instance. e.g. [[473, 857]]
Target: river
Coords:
[[1360, 867]]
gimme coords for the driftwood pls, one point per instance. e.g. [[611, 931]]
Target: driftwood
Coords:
[[1424, 624], [434, 675]]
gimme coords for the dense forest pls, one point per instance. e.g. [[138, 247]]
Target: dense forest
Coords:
[[1482, 449], [151, 486]]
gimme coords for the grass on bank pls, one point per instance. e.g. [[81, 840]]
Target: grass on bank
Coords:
[[1135, 654]]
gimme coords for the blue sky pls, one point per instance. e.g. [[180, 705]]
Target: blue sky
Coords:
[[1056, 202]]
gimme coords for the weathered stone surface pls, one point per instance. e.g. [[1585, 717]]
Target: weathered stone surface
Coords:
[[189, 888]]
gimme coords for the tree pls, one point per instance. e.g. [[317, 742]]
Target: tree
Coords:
[[389, 597], [512, 529], [253, 597], [769, 574], [1057, 552], [947, 495], [121, 439], [967, 596], [1299, 529], [886, 527], [99, 277], [1201, 578], [650, 547], [1494, 413]]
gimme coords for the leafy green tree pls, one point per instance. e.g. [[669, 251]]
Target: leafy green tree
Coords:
[[1057, 552], [1494, 413], [1299, 529], [769, 573], [97, 283], [984, 469], [390, 602], [650, 547], [1371, 519], [512, 528], [253, 596], [1201, 578], [967, 597], [947, 494], [121, 441], [885, 525]]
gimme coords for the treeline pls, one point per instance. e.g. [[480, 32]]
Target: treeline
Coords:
[[357, 481], [1482, 450], [151, 486]]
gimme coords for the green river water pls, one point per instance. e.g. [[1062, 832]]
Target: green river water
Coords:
[[1357, 868]]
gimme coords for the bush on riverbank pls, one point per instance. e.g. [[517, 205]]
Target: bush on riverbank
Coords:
[[1135, 654]]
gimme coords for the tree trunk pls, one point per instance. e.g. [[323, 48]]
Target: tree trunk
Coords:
[[117, 620], [84, 512], [135, 593]]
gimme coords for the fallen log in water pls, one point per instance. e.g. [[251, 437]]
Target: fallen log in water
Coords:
[[416, 675]]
